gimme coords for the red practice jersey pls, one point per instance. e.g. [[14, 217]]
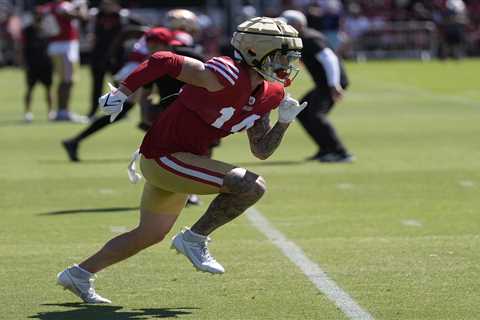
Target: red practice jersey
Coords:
[[199, 117], [66, 25]]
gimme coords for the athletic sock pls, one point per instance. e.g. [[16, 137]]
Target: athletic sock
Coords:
[[190, 235], [80, 272]]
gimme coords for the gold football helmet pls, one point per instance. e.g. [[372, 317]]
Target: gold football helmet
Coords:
[[270, 46], [182, 19]]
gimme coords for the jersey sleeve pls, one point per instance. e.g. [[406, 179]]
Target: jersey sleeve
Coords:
[[225, 70], [159, 64]]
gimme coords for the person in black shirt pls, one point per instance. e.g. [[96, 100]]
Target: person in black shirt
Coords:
[[109, 21], [330, 82], [38, 66]]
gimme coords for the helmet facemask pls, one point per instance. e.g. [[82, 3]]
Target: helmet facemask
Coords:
[[280, 66]]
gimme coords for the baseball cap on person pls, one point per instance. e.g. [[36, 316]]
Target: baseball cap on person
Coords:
[[181, 38], [159, 34]]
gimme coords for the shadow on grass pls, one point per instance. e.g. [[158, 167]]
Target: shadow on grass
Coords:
[[86, 162], [81, 311], [271, 163], [73, 211]]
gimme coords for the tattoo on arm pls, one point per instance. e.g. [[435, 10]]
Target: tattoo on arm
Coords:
[[264, 140]]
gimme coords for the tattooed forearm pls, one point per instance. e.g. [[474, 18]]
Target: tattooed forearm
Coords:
[[265, 140], [243, 188]]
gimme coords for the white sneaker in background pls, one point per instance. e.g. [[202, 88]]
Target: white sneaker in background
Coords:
[[68, 116], [80, 283], [51, 115], [194, 247], [28, 117]]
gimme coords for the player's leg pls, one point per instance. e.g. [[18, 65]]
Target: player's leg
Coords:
[[238, 189], [332, 147], [241, 189], [305, 119], [48, 98], [59, 69], [158, 212], [31, 79], [98, 74], [65, 66], [46, 79], [322, 131], [71, 145]]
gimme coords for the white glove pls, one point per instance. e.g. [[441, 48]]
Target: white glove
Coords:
[[289, 108], [112, 102]]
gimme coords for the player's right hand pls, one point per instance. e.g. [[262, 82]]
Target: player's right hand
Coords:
[[112, 102], [336, 93]]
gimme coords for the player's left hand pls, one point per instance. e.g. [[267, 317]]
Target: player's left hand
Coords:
[[112, 102], [289, 108]]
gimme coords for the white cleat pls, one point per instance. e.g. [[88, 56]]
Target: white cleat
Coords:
[[80, 283], [194, 247], [28, 117]]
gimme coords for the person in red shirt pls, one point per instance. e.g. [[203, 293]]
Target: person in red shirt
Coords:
[[221, 97], [59, 23]]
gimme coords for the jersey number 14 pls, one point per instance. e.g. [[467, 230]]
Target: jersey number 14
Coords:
[[227, 113]]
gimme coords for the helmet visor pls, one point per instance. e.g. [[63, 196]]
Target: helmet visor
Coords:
[[281, 66]]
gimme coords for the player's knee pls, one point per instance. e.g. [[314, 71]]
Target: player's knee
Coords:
[[260, 187], [246, 183]]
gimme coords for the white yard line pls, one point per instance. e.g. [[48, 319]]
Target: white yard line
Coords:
[[312, 270], [466, 183], [412, 223], [118, 229]]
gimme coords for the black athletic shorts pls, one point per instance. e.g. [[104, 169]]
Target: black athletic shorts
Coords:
[[39, 73]]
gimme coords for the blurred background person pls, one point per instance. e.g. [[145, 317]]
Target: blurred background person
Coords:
[[10, 35], [453, 29], [185, 27], [330, 80], [59, 22], [355, 25], [38, 66], [326, 17], [109, 20]]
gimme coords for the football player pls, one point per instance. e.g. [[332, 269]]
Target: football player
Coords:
[[222, 97], [183, 20], [59, 24]]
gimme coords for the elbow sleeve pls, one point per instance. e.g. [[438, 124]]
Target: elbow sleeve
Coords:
[[330, 63]]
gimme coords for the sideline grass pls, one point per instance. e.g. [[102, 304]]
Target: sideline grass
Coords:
[[414, 128]]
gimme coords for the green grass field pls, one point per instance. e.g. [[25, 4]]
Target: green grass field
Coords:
[[398, 229]]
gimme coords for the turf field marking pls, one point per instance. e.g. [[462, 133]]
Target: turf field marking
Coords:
[[344, 186], [106, 191], [118, 229], [412, 223], [312, 270], [466, 183]]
